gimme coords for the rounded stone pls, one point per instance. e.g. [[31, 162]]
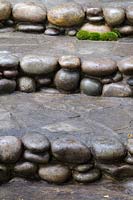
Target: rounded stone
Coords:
[[42, 82], [84, 167], [71, 32], [96, 28], [41, 158], [36, 142], [70, 150], [130, 81], [7, 86], [25, 169], [94, 11], [91, 87], [114, 16], [117, 77], [26, 84], [30, 28], [10, 74], [67, 80], [126, 65], [8, 61], [70, 62], [130, 146], [129, 159], [99, 67], [66, 15], [108, 150], [54, 173], [5, 10], [4, 173], [52, 31], [10, 149], [37, 65], [29, 12], [125, 30], [117, 90], [95, 19], [129, 13], [87, 177]]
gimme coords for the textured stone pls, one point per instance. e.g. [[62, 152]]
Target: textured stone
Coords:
[[42, 158], [7, 86], [54, 173], [70, 150], [10, 149], [130, 145], [94, 11], [114, 16], [91, 87], [10, 74], [95, 28], [84, 167], [108, 150], [37, 65], [69, 62], [88, 177], [8, 61], [67, 80], [26, 84], [99, 67], [36, 142], [29, 12], [126, 65], [66, 15], [25, 169], [30, 28], [117, 90], [129, 13], [5, 10], [125, 29]]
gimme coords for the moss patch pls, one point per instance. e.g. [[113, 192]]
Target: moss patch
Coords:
[[108, 36]]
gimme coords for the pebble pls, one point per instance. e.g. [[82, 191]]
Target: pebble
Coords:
[[117, 90], [52, 31], [42, 158], [87, 177], [26, 84], [125, 30], [70, 62], [70, 150], [42, 82], [5, 10], [4, 173], [94, 11], [108, 150], [66, 15], [8, 61], [38, 65], [25, 169], [114, 16], [130, 81], [84, 167], [10, 74], [129, 159], [29, 12], [129, 13], [10, 149], [99, 67], [30, 28], [130, 146], [120, 171], [36, 142], [96, 28], [7, 86], [95, 19], [91, 87], [126, 65], [54, 173], [71, 32], [67, 80], [117, 77]]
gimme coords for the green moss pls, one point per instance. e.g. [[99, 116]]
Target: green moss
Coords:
[[85, 35], [117, 32]]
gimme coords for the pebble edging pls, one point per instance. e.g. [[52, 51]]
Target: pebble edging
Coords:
[[64, 159]]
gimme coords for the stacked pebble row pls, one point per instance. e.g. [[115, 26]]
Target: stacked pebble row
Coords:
[[64, 159], [64, 19], [67, 74]]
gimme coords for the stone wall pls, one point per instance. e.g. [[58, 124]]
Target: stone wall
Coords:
[[66, 18], [67, 74], [64, 159]]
